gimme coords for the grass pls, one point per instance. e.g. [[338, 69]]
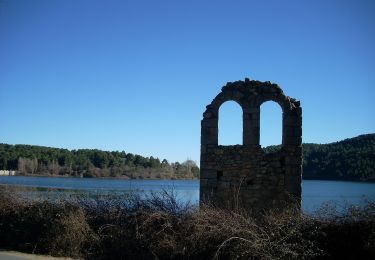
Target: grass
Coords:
[[160, 227]]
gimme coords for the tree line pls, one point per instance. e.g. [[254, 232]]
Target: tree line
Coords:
[[40, 160], [349, 159]]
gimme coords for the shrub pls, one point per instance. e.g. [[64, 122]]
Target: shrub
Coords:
[[160, 227]]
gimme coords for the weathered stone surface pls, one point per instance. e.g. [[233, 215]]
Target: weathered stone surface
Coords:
[[243, 175]]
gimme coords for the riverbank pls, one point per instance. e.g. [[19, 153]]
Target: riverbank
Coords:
[[327, 178], [125, 177], [160, 227]]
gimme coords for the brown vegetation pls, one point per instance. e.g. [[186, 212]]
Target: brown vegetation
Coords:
[[159, 227]]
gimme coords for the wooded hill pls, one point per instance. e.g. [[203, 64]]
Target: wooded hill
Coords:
[[40, 160], [350, 159]]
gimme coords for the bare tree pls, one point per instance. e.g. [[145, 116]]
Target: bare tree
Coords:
[[21, 166]]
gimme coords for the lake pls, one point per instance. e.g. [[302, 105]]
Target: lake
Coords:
[[314, 192]]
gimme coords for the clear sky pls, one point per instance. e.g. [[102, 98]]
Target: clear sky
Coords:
[[137, 75]]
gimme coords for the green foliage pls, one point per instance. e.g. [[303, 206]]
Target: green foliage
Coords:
[[40, 160], [350, 159]]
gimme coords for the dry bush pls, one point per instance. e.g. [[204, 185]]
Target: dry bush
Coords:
[[161, 227], [346, 232], [221, 234], [40, 226], [70, 235], [158, 230]]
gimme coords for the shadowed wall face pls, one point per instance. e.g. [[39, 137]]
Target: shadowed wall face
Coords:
[[243, 175]]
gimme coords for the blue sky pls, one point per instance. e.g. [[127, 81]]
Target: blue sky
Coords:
[[137, 75]]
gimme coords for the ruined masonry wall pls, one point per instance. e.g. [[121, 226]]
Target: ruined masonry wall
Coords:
[[243, 176]]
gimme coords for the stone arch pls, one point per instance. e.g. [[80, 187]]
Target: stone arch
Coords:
[[259, 180], [211, 116], [220, 116], [280, 99]]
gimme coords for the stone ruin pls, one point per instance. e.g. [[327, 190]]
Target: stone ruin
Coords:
[[245, 176]]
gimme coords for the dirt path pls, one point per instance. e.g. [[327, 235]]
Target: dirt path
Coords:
[[11, 255]]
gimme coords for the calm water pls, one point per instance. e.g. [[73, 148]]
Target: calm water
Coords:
[[314, 193]]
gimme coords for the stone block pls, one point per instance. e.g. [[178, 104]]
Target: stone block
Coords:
[[293, 160], [237, 95], [297, 131], [203, 182], [207, 114], [208, 174], [209, 123]]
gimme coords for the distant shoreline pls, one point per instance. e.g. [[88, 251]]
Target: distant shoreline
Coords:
[[89, 177], [333, 179], [321, 178]]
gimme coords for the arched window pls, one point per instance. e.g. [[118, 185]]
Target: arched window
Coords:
[[271, 131], [230, 123]]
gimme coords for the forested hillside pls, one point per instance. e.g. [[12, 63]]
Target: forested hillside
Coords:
[[350, 159], [39, 160]]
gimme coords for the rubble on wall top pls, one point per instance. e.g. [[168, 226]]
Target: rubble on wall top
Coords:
[[249, 85]]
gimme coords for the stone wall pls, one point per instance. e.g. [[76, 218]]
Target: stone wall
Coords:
[[243, 176]]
